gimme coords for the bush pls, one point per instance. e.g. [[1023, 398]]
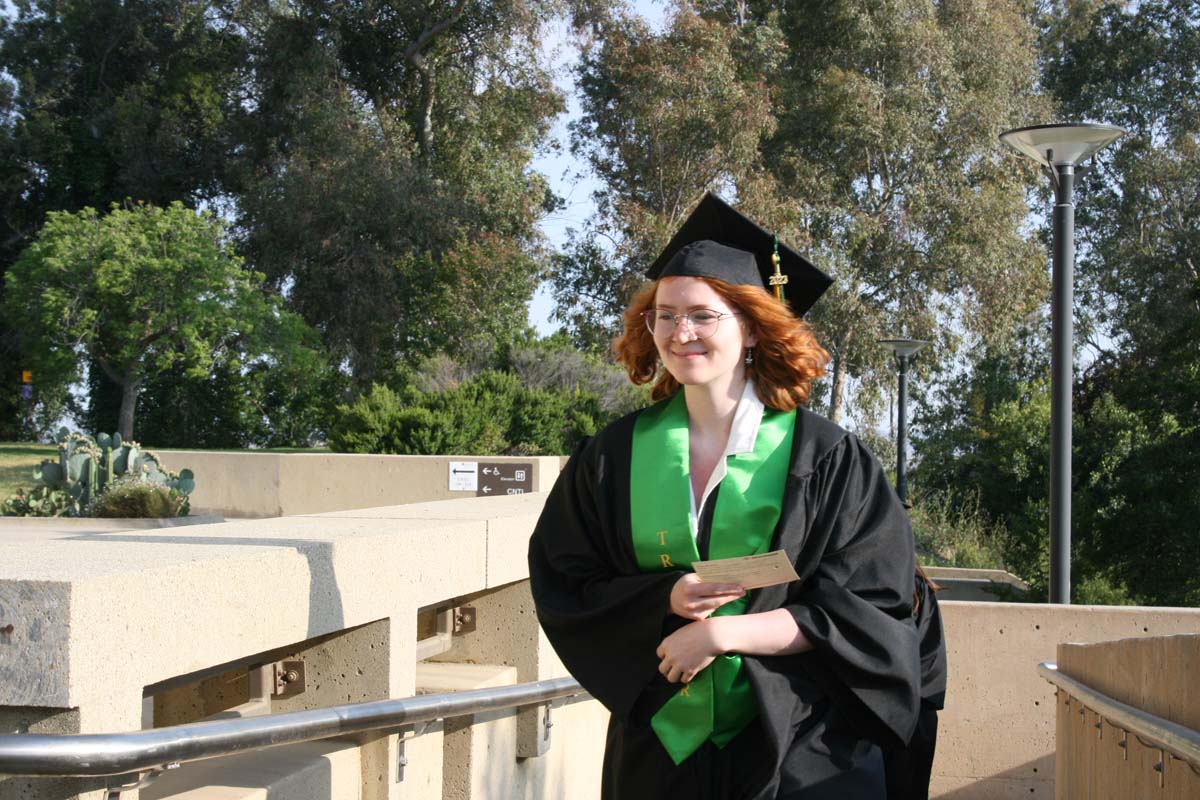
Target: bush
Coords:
[[40, 501], [954, 532], [133, 497], [491, 413]]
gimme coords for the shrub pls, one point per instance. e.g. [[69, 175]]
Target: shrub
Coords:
[[133, 497], [490, 413], [40, 501], [953, 531], [84, 470]]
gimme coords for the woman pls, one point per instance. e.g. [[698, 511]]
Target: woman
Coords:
[[786, 691]]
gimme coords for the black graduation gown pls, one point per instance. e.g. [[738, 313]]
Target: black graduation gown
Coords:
[[821, 712], [908, 769]]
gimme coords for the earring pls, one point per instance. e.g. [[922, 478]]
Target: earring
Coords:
[[749, 356]]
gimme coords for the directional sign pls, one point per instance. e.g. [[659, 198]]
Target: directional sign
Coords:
[[464, 476], [497, 479]]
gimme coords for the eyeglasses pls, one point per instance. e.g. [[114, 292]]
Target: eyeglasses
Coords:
[[701, 322]]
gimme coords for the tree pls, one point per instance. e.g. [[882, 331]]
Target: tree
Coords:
[[374, 157], [888, 115], [864, 133], [1139, 269], [665, 117], [391, 194], [143, 292], [105, 100]]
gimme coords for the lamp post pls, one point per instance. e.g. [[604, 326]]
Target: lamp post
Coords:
[[1060, 149], [904, 350]]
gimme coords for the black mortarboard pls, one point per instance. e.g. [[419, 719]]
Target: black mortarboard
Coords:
[[718, 242]]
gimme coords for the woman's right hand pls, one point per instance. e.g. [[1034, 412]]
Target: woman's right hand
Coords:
[[693, 599]]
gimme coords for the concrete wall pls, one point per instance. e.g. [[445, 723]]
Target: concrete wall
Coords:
[[249, 484], [101, 615], [1095, 759], [996, 735]]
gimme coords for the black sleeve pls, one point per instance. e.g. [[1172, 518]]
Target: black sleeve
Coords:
[[855, 602], [932, 647], [603, 617]]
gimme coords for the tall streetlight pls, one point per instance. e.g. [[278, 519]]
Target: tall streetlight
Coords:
[[904, 350], [1060, 149]]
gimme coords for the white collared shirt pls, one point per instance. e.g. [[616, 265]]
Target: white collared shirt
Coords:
[[742, 435]]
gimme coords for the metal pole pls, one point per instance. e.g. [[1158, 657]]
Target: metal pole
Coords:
[[1061, 376], [902, 430]]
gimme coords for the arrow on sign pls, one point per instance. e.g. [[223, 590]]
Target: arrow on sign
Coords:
[[487, 489], [463, 471]]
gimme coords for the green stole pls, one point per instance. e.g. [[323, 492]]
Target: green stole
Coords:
[[719, 702]]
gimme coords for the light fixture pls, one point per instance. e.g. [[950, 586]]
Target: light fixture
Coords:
[[1060, 149], [1061, 145], [903, 349]]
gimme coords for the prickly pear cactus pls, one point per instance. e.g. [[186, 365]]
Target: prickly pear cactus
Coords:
[[86, 467]]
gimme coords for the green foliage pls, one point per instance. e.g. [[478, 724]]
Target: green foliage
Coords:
[[86, 469], [133, 497], [392, 195], [40, 501], [144, 292], [370, 423], [491, 413], [1135, 475], [275, 400], [953, 531], [377, 164]]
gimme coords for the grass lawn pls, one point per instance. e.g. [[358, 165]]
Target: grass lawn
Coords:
[[17, 460]]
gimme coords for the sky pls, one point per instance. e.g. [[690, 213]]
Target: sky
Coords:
[[569, 177]]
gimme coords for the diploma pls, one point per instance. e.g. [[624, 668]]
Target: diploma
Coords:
[[750, 572]]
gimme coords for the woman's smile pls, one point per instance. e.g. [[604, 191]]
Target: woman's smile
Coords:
[[708, 346]]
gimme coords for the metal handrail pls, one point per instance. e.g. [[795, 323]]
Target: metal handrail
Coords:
[[1156, 732], [100, 754]]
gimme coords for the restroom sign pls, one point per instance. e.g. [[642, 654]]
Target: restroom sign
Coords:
[[507, 478]]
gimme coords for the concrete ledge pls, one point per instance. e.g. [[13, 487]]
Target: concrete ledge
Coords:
[[983, 585], [9, 525], [249, 484], [327, 770]]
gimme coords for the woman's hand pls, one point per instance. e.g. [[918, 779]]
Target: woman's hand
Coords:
[[690, 649], [692, 599]]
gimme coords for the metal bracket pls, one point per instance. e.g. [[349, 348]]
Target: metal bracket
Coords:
[[465, 619], [289, 678], [450, 622], [135, 781], [547, 724], [402, 736]]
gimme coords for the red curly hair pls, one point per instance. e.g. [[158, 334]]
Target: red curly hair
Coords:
[[787, 358]]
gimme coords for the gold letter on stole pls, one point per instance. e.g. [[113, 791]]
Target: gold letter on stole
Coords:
[[662, 538], [666, 560]]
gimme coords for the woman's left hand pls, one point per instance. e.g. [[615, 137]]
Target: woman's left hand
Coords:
[[688, 650]]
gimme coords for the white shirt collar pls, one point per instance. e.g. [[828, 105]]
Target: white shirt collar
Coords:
[[747, 418]]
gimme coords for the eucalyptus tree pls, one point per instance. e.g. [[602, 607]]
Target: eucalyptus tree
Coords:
[[863, 132], [886, 144], [665, 117]]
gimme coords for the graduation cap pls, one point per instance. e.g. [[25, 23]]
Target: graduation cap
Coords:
[[718, 242]]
